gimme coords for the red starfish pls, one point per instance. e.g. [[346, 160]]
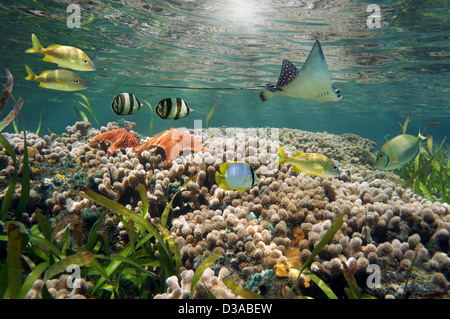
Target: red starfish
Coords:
[[118, 139], [174, 141]]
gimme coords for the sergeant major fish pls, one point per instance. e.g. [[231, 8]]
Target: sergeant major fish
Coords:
[[65, 56], [310, 163], [62, 80], [236, 176], [125, 104], [311, 82], [175, 108]]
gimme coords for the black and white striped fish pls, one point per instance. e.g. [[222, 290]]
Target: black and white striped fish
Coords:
[[125, 104], [173, 108]]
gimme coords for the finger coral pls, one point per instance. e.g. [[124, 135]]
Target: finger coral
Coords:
[[59, 288], [273, 226]]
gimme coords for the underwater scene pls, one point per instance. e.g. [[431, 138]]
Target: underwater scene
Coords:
[[204, 149]]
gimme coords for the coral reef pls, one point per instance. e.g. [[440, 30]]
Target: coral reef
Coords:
[[281, 218], [209, 280], [59, 288]]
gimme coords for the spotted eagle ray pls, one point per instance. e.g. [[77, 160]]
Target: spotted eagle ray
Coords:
[[311, 82]]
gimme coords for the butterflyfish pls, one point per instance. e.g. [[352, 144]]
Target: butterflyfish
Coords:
[[311, 163], [236, 176], [311, 82], [398, 151], [125, 104], [172, 108], [62, 80], [65, 56]]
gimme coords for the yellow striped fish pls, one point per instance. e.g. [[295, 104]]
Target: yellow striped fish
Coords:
[[62, 80], [310, 163], [65, 56]]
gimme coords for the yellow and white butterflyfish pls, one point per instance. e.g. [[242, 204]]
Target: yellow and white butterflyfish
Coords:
[[62, 80], [311, 82], [311, 163], [236, 176], [65, 56]]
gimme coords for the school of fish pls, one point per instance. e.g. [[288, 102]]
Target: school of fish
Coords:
[[65, 57], [311, 82]]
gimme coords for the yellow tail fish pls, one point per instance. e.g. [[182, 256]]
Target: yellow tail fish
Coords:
[[62, 80], [64, 56], [310, 163]]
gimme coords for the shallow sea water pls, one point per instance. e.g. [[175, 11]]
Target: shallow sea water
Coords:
[[222, 53]]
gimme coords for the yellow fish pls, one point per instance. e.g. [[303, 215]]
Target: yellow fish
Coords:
[[310, 163], [62, 80], [64, 56]]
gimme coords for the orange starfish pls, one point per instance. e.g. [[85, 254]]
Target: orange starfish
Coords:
[[174, 141], [118, 139]]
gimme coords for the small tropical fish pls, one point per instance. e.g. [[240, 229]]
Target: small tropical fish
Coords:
[[310, 163], [125, 103], [64, 56], [311, 82], [62, 80], [236, 176], [172, 108], [398, 151]]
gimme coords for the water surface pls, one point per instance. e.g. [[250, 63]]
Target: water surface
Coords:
[[383, 73]]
